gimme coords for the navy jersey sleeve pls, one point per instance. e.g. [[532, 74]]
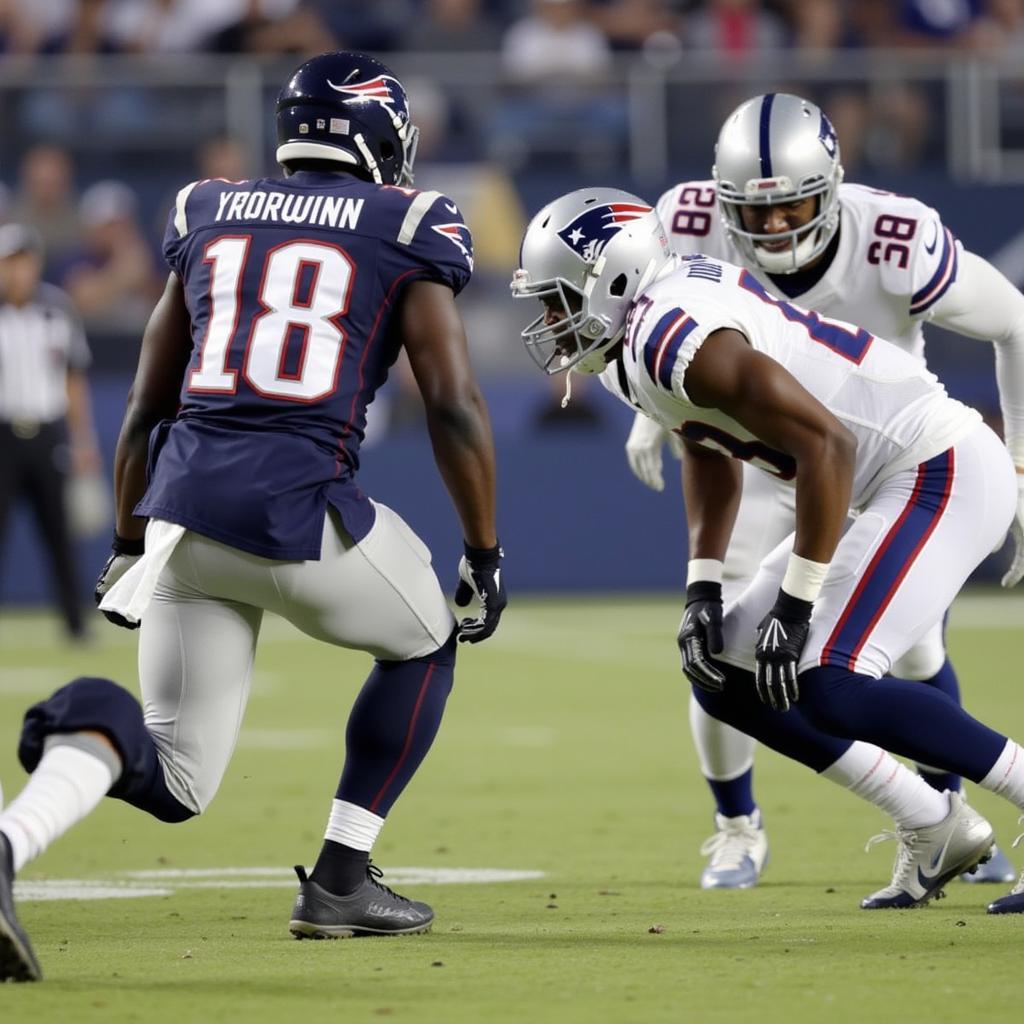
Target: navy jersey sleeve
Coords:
[[178, 227], [434, 235], [199, 203]]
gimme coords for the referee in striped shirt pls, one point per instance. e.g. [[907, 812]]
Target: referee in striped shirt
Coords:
[[46, 427]]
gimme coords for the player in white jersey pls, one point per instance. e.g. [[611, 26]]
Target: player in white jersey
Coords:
[[778, 207], [850, 423]]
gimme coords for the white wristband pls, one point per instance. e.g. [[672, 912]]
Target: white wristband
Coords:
[[804, 578], [703, 570]]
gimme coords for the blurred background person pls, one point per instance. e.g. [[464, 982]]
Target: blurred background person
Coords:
[[46, 198], [273, 26], [112, 277], [46, 425], [737, 28], [453, 26], [557, 62]]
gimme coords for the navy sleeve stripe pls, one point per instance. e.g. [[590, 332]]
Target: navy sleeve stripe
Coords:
[[662, 347], [943, 277], [765, 138]]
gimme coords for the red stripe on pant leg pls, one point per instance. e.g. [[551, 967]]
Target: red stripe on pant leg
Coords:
[[887, 600], [408, 740], [866, 578]]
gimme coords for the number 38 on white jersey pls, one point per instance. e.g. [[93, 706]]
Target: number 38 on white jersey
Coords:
[[895, 258]]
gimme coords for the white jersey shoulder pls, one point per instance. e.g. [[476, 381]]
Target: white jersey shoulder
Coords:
[[894, 261], [895, 258], [897, 410], [693, 222], [904, 243]]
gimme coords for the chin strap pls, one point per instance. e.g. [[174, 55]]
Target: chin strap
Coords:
[[371, 164], [568, 388]]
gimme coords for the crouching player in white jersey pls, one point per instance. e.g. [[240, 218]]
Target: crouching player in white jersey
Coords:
[[776, 205], [851, 423]]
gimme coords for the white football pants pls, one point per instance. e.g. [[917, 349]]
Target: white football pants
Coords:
[[198, 635], [906, 640]]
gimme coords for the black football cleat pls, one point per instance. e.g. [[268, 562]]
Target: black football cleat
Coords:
[[372, 909], [17, 961]]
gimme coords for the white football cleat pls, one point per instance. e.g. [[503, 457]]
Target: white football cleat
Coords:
[[928, 857], [737, 853]]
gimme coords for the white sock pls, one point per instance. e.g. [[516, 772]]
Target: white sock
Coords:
[[353, 825], [1006, 776], [67, 784], [875, 776]]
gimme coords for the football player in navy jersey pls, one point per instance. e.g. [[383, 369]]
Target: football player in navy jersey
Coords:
[[287, 303]]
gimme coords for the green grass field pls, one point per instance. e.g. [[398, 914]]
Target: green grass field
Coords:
[[566, 751]]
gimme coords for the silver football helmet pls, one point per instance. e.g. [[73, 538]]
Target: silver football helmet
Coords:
[[585, 256], [773, 149]]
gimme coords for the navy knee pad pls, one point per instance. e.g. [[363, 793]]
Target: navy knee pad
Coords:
[[91, 703]]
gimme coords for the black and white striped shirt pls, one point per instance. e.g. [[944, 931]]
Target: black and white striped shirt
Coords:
[[39, 343]]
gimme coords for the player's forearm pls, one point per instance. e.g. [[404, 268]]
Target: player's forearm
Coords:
[[464, 452], [712, 485], [130, 470], [983, 304], [81, 431], [1010, 380], [824, 482]]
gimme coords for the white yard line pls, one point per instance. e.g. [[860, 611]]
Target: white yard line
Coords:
[[165, 882]]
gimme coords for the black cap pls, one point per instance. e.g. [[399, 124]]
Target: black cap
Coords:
[[15, 238]]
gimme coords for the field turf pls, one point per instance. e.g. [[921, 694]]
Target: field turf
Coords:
[[565, 751]]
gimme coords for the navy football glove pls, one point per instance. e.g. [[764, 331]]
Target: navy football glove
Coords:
[[700, 634], [124, 554], [781, 636], [480, 577]]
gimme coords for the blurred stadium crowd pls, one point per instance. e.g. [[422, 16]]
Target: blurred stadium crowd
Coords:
[[92, 161], [107, 107], [31, 27]]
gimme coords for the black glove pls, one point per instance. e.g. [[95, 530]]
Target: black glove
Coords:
[[700, 634], [124, 554], [480, 577], [781, 636]]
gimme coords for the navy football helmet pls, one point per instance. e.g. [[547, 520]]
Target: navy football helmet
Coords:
[[349, 108]]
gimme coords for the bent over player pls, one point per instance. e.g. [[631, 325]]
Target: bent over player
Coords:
[[778, 206], [288, 300], [850, 422]]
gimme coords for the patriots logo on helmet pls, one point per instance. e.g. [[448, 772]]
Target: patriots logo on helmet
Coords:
[[593, 229], [458, 235], [827, 136], [383, 89]]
